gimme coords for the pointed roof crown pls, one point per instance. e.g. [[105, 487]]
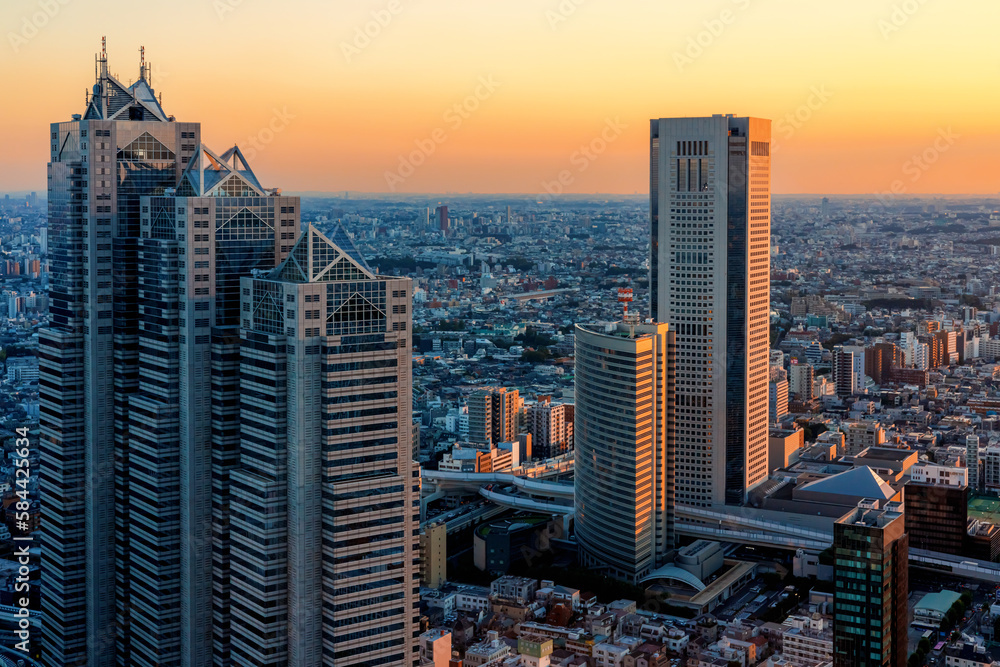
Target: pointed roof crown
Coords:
[[211, 175], [315, 258], [113, 100]]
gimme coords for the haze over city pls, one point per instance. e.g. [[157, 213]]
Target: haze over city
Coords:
[[506, 333]]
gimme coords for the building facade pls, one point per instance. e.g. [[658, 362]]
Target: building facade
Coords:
[[972, 461], [434, 555], [937, 508], [800, 382], [871, 585], [101, 162], [494, 415], [777, 401], [326, 495], [194, 247], [710, 279], [848, 370], [859, 436], [625, 446], [551, 428]]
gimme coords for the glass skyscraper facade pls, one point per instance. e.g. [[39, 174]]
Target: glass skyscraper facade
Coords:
[[101, 162], [871, 585], [326, 495], [625, 447], [139, 379], [710, 235]]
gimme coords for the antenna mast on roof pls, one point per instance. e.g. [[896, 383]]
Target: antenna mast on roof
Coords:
[[625, 297]]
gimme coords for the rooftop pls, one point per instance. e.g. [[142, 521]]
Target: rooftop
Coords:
[[940, 601], [856, 482]]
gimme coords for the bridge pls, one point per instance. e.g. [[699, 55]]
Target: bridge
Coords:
[[539, 294], [438, 484], [722, 524]]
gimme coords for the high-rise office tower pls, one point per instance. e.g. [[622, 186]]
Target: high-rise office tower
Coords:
[[122, 147], [442, 217], [494, 414], [937, 508], [710, 239], [151, 233], [871, 585], [217, 226], [326, 496], [625, 445]]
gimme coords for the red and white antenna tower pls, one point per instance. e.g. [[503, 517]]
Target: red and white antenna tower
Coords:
[[625, 298]]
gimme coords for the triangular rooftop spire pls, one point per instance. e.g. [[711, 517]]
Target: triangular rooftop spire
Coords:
[[315, 258], [113, 100], [209, 175]]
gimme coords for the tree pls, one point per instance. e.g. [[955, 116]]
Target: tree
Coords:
[[541, 355]]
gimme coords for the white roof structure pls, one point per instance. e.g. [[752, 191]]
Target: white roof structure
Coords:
[[315, 258], [861, 482], [212, 175]]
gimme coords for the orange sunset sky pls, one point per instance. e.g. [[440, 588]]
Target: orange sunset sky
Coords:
[[886, 79]]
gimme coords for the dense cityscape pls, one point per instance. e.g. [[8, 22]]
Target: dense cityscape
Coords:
[[703, 426]]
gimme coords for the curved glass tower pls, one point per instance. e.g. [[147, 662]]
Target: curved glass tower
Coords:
[[625, 445]]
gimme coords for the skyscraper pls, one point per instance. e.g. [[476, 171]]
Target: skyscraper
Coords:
[[151, 232], [194, 247], [710, 279], [122, 147], [871, 585], [937, 508], [442, 217], [625, 445], [326, 496]]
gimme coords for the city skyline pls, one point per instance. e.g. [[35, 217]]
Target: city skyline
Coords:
[[582, 425], [904, 90]]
